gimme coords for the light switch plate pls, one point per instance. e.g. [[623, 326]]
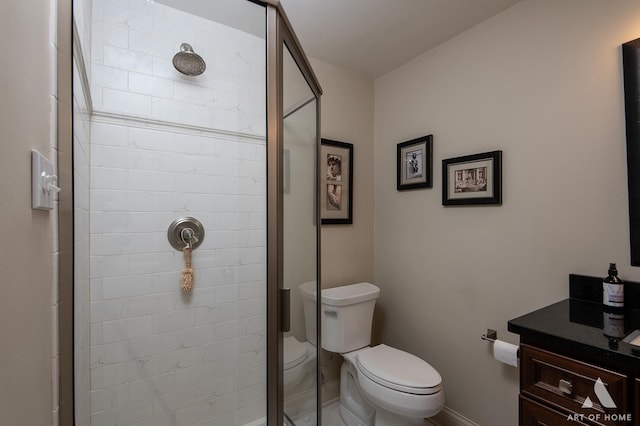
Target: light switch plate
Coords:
[[41, 194]]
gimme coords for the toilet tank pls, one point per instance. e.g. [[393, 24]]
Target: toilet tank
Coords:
[[308, 292], [347, 314]]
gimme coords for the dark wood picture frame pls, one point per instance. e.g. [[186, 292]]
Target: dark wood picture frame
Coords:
[[472, 179], [415, 164], [631, 70], [336, 177]]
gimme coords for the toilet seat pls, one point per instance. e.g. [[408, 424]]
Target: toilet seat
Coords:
[[398, 370], [295, 352]]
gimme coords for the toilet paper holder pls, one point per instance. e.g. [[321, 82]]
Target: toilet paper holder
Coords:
[[490, 336]]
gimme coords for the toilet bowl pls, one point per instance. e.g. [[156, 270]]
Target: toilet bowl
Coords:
[[299, 359], [380, 385]]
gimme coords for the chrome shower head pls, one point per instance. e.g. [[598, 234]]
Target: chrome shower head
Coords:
[[188, 62]]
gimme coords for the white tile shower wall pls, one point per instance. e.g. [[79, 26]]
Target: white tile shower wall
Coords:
[[160, 357], [133, 45]]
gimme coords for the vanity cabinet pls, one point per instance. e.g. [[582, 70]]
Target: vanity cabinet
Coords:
[[554, 388], [535, 414]]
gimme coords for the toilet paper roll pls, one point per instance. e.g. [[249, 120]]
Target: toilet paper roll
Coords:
[[505, 353]]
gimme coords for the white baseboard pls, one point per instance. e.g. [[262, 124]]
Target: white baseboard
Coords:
[[448, 417], [330, 391]]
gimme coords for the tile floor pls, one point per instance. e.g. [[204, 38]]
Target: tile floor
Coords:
[[330, 417]]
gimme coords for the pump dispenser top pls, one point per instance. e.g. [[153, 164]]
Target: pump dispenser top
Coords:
[[613, 289]]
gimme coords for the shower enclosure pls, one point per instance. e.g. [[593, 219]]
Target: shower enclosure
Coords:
[[195, 194]]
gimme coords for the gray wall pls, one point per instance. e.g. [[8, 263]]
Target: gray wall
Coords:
[[347, 250], [541, 81], [26, 254]]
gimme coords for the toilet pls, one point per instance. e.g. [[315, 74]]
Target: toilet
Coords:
[[379, 385], [299, 359]]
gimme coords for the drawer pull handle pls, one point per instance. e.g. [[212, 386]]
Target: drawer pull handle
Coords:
[[565, 386]]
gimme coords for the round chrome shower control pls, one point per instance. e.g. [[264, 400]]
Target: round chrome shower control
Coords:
[[185, 232]]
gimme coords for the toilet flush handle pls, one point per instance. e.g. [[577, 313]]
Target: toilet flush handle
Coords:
[[331, 313]]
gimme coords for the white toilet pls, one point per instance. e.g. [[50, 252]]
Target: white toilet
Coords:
[[299, 360], [300, 357], [380, 385]]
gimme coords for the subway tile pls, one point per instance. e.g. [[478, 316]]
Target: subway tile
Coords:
[[108, 134], [250, 308], [119, 13], [149, 263], [152, 86], [175, 400], [171, 30], [193, 375], [215, 313], [125, 415], [211, 277], [142, 180], [125, 200], [194, 94], [108, 354], [126, 243], [119, 330], [128, 60], [174, 111], [125, 158], [172, 321], [220, 349], [151, 44], [226, 293], [111, 397], [155, 140], [104, 178], [125, 286], [121, 102], [109, 34], [153, 386], [149, 304], [252, 290], [163, 68], [249, 378]]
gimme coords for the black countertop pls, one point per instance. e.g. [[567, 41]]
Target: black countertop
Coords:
[[577, 327]]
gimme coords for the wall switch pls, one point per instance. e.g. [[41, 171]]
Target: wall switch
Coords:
[[43, 182]]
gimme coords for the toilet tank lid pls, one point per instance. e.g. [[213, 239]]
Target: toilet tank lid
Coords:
[[349, 294]]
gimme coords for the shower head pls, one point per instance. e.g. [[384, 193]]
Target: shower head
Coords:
[[188, 62]]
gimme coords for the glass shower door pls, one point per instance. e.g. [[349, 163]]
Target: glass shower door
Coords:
[[300, 227], [157, 140]]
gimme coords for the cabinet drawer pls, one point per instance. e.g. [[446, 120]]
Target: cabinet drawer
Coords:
[[535, 414], [567, 383]]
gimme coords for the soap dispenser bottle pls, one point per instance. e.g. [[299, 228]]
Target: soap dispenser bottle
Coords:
[[613, 290]]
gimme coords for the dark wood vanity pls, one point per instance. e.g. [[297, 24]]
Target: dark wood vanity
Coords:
[[564, 352]]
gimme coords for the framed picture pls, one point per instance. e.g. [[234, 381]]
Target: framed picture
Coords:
[[415, 163], [472, 179], [336, 182]]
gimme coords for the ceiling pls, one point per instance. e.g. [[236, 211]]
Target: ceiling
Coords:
[[373, 37]]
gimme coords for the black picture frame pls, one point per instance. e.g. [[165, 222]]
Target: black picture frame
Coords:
[[415, 164], [472, 179], [337, 187], [631, 69]]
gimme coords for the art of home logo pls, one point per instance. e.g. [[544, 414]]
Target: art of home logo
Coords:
[[606, 401]]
